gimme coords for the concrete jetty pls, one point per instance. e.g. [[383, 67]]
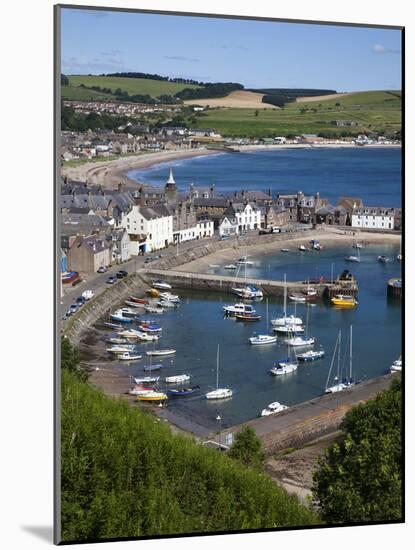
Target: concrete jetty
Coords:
[[223, 283]]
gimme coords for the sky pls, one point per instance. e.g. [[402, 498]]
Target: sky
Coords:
[[257, 54]]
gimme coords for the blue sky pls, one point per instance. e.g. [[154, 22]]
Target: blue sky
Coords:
[[254, 53]]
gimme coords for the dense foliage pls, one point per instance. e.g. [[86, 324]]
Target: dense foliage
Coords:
[[360, 478], [124, 474], [277, 100], [295, 92], [217, 89], [70, 120], [70, 360], [247, 448], [64, 80]]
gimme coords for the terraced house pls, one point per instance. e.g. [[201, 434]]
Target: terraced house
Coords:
[[373, 217]]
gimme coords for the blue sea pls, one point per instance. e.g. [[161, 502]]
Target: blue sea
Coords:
[[373, 174]]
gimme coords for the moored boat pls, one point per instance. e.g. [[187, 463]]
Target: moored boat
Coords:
[[152, 309], [218, 393], [239, 309], [139, 389], [297, 297], [396, 365], [183, 392], [150, 368], [384, 259], [231, 266], [141, 301], [297, 341], [343, 300], [152, 396], [146, 379], [160, 352], [169, 297], [178, 379], [161, 285], [262, 339], [273, 408], [283, 367], [153, 292], [247, 317], [310, 355], [128, 356]]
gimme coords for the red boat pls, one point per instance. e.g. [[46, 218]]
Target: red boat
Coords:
[[139, 300]]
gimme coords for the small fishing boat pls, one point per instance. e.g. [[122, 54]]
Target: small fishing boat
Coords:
[[178, 379], [152, 309], [285, 321], [141, 301], [183, 392], [133, 304], [288, 329], [138, 334], [138, 389], [262, 339], [219, 393], [247, 317], [396, 365], [112, 325], [285, 250], [302, 248], [297, 341], [166, 304], [150, 368], [120, 349], [117, 340], [239, 309], [352, 258], [384, 259], [357, 245], [311, 355], [128, 356], [146, 380], [297, 298], [284, 367], [160, 352], [150, 328], [170, 297], [152, 396], [244, 261], [119, 317], [162, 285], [127, 312], [248, 292], [342, 300], [273, 408], [153, 292], [231, 266]]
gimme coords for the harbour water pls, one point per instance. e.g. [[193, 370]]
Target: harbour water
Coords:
[[371, 173], [196, 327]]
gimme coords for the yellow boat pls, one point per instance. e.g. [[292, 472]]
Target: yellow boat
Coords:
[[344, 301], [152, 396], [153, 292]]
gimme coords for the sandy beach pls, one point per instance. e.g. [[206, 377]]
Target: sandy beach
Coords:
[[110, 173]]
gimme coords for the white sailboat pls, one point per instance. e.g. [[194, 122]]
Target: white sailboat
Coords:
[[353, 258], [285, 367], [262, 339], [219, 393], [286, 323], [296, 340], [341, 386], [273, 408], [396, 365]]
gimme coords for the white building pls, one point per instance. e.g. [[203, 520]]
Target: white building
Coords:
[[228, 226], [373, 217], [121, 246], [248, 216], [150, 229], [204, 229]]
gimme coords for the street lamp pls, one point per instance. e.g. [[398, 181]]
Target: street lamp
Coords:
[[219, 419]]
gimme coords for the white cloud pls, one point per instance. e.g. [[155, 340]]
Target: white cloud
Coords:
[[381, 49]]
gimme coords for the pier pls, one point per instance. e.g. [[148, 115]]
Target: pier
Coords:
[[223, 283], [303, 423]]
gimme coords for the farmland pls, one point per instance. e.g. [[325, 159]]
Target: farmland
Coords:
[[376, 111], [139, 86]]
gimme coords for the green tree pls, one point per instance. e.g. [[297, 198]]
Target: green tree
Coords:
[[70, 359], [256, 112], [64, 80], [247, 448], [360, 478]]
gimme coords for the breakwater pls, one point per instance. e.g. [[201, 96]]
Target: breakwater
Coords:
[[303, 423], [220, 283]]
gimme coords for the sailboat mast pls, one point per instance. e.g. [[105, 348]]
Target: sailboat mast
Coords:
[[351, 354], [285, 295], [217, 367], [338, 357], [332, 362]]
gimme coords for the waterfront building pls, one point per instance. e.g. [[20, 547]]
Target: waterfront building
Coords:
[[120, 246], [330, 215], [87, 254], [228, 226], [248, 216], [150, 228], [373, 217]]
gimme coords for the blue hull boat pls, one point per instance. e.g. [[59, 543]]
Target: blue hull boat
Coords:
[[124, 320], [183, 392], [149, 368]]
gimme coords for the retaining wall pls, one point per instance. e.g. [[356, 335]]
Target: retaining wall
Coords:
[[92, 310]]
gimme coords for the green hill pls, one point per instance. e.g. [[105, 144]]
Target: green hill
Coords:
[[124, 474], [139, 86], [377, 111]]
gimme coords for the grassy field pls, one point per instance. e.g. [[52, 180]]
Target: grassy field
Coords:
[[373, 111], [82, 94], [141, 86]]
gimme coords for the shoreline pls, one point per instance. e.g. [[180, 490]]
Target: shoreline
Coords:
[[110, 173]]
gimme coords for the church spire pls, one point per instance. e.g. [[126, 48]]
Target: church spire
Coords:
[[171, 178]]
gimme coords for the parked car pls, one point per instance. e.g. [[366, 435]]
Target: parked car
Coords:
[[76, 282], [264, 231], [73, 308], [276, 230], [148, 259], [87, 294], [121, 274], [80, 301], [111, 280], [102, 269]]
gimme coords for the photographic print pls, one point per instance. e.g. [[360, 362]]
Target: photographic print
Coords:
[[229, 261]]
